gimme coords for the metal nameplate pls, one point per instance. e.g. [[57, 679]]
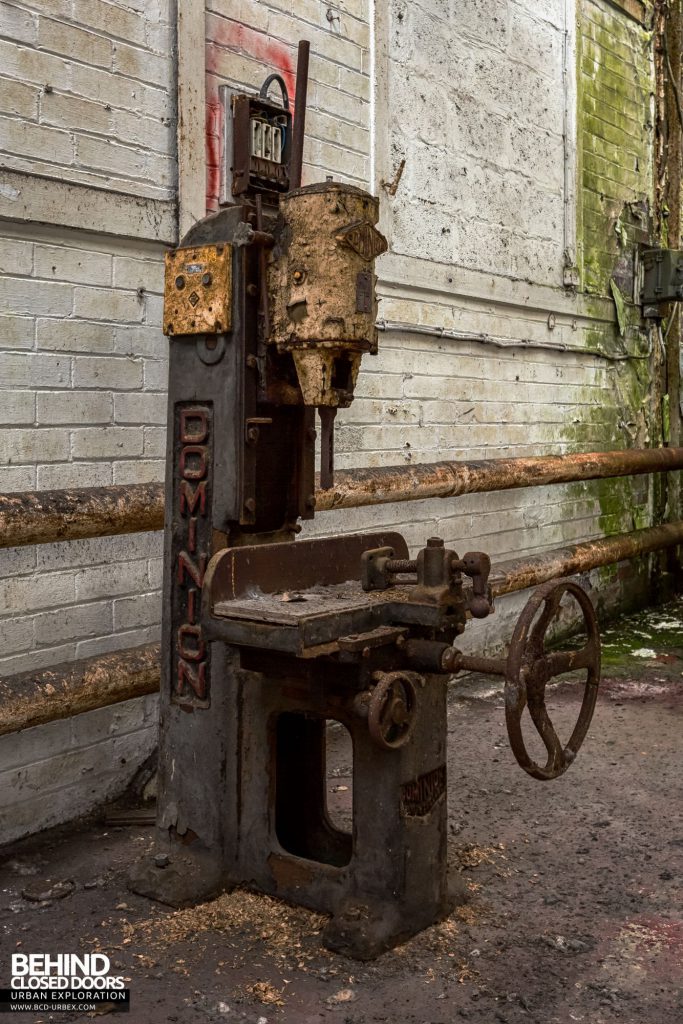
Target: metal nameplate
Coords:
[[198, 290]]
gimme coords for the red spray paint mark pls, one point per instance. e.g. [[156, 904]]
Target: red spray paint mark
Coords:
[[214, 143], [276, 57]]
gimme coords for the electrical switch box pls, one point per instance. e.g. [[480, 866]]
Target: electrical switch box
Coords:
[[257, 144], [662, 276]]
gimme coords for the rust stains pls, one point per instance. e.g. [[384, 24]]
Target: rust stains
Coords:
[[518, 574], [34, 698], [43, 517]]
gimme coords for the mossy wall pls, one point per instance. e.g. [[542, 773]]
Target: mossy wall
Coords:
[[615, 121]]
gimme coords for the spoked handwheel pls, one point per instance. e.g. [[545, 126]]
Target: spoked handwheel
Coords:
[[529, 669], [392, 709]]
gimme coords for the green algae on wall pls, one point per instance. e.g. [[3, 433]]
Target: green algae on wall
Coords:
[[615, 87]]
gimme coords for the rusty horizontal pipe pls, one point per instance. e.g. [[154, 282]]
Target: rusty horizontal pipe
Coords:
[[41, 517], [35, 698], [521, 573], [358, 487]]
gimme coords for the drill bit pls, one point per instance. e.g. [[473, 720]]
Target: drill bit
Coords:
[[327, 415]]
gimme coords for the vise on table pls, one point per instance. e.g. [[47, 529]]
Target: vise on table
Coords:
[[269, 307]]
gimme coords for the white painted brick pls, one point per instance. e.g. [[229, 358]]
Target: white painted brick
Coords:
[[29, 65], [110, 580], [16, 634], [21, 295], [353, 82], [18, 99], [105, 87], [140, 408], [16, 332], [156, 373], [154, 309], [334, 47], [119, 373], [20, 446], [18, 24], [136, 62], [17, 408], [17, 478], [74, 474], [24, 748], [75, 336], [111, 18], [106, 442], [74, 407], [328, 73], [26, 371], [56, 8], [73, 623], [16, 256], [120, 641], [155, 572], [16, 561], [155, 101], [74, 112], [106, 304], [130, 612], [160, 37], [96, 551], [34, 592], [58, 37], [82, 266], [27, 139], [157, 133], [155, 442], [142, 340], [47, 776], [342, 105], [102, 723], [333, 129], [103, 154], [133, 274], [139, 471]]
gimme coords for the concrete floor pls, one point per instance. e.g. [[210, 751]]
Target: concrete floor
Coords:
[[575, 909]]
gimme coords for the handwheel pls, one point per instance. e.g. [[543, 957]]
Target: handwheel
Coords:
[[392, 708], [529, 669]]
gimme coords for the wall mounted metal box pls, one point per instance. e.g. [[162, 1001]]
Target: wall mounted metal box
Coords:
[[662, 276]]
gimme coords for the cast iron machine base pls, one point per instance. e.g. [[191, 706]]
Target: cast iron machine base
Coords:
[[306, 644]]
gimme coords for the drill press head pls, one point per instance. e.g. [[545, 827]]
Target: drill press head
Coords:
[[321, 284]]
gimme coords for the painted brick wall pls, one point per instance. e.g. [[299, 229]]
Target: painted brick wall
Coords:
[[469, 95], [83, 369], [476, 93], [87, 92], [62, 770], [478, 243], [246, 43], [87, 95], [616, 121]]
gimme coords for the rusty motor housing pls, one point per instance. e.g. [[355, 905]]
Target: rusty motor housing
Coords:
[[321, 287]]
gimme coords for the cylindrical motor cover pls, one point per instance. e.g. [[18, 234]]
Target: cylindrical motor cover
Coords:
[[321, 284]]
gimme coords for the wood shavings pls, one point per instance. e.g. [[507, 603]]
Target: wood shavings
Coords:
[[472, 856], [265, 993], [254, 923]]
